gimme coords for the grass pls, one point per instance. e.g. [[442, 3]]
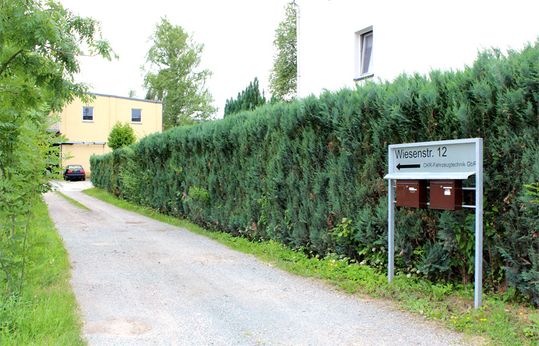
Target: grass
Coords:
[[498, 322], [45, 313], [73, 201]]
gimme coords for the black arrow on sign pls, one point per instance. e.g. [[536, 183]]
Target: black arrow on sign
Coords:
[[415, 165]]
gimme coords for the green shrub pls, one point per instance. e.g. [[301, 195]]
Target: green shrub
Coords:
[[120, 136], [310, 173], [248, 99]]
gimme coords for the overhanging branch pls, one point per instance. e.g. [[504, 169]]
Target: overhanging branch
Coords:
[[5, 65]]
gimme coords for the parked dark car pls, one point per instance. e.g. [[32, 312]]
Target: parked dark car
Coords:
[[74, 172]]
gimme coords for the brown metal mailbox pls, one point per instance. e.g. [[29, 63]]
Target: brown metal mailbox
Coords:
[[446, 194], [412, 193]]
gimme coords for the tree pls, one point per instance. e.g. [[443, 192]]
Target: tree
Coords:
[[121, 135], [39, 45], [248, 99], [283, 78], [173, 76]]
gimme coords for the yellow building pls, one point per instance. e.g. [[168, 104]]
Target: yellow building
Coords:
[[86, 126]]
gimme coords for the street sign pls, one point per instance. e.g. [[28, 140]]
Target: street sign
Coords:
[[447, 156], [454, 159]]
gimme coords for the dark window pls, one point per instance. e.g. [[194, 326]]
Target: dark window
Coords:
[[136, 115], [366, 53], [87, 113], [363, 54]]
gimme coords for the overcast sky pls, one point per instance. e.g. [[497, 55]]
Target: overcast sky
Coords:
[[237, 36]]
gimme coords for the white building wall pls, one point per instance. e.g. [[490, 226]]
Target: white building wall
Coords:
[[409, 36]]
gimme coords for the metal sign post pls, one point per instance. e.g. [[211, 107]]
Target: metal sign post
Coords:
[[478, 288], [454, 159]]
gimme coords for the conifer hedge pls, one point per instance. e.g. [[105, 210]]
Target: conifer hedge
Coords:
[[310, 173]]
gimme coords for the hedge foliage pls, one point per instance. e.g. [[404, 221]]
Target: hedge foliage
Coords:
[[310, 173]]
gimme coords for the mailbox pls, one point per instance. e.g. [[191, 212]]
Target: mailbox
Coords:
[[446, 194], [412, 193]]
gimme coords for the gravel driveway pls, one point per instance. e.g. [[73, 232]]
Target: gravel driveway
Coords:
[[143, 282]]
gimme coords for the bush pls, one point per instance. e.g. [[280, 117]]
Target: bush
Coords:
[[248, 99], [310, 173], [120, 136]]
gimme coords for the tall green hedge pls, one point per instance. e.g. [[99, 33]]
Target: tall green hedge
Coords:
[[310, 173]]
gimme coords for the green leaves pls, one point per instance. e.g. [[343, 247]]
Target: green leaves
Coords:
[[121, 135], [39, 45], [248, 99], [283, 78], [174, 77], [532, 190]]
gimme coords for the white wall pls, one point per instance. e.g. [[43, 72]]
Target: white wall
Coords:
[[409, 36]]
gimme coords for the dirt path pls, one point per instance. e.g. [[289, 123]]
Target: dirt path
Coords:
[[142, 282]]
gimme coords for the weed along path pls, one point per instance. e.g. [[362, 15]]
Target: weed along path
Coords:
[[140, 281]]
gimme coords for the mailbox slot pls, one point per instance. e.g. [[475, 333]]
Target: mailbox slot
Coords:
[[412, 193], [446, 194]]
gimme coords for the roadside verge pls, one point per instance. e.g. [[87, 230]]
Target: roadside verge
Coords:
[[45, 313]]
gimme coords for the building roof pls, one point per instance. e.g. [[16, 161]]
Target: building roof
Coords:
[[87, 143], [125, 98]]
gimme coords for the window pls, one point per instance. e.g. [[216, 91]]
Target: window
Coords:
[[136, 115], [366, 52], [364, 43], [87, 113]]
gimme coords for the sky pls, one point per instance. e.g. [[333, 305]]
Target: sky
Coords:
[[237, 36]]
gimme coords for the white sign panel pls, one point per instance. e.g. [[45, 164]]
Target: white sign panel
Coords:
[[446, 156]]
